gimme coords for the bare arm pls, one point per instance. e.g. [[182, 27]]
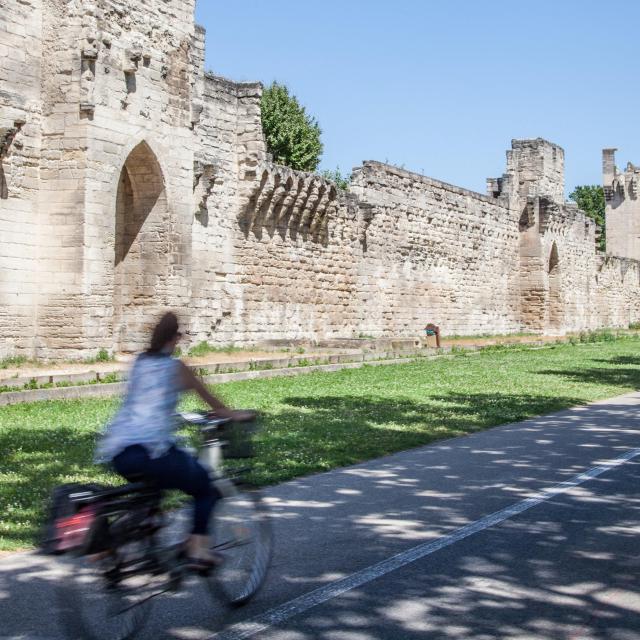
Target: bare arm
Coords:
[[191, 382]]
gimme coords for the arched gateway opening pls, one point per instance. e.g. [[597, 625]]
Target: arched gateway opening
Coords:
[[141, 248], [555, 317]]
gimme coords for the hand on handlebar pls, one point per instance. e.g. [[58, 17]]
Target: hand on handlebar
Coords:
[[237, 416]]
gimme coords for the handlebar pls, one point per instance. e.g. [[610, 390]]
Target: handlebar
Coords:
[[202, 419]]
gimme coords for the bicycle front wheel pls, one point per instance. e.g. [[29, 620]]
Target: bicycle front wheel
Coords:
[[242, 536]]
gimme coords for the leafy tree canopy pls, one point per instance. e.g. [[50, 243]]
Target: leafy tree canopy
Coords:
[[341, 180], [293, 136], [590, 198]]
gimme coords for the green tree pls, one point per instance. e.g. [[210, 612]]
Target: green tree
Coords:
[[341, 180], [293, 136], [590, 198]]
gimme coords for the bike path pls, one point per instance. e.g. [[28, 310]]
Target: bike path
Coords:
[[335, 524]]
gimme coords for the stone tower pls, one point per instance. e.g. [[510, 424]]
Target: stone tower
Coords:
[[622, 207], [96, 149]]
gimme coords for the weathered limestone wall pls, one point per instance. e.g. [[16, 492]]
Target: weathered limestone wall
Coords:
[[616, 292], [20, 136], [433, 252], [116, 173], [229, 144], [132, 181], [136, 98], [535, 168], [621, 190], [296, 258], [567, 240], [273, 254], [63, 174]]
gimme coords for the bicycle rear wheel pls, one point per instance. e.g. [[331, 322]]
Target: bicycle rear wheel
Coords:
[[107, 598], [242, 536]]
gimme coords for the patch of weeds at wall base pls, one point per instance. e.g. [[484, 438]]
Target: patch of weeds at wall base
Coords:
[[260, 366], [103, 356], [13, 361], [602, 335], [204, 348]]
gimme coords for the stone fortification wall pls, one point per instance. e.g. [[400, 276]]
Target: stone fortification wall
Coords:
[[229, 144], [296, 257], [117, 154], [132, 181], [20, 139], [433, 252], [535, 168], [274, 249], [616, 292], [621, 191], [567, 241], [139, 63]]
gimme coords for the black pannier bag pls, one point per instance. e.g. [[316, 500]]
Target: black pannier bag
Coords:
[[68, 522]]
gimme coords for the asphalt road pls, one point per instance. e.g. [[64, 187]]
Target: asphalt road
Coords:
[[522, 531]]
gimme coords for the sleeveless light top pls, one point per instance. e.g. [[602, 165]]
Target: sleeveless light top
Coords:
[[147, 414]]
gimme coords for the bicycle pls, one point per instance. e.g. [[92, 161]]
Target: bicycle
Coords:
[[124, 548]]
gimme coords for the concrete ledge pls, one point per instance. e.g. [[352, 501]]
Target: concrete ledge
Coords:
[[63, 393], [105, 390]]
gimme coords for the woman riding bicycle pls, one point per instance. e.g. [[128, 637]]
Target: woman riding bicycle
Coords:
[[140, 444]]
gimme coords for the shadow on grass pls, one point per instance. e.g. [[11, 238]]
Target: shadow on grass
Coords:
[[321, 433], [621, 360], [624, 372], [618, 376], [315, 434], [34, 462]]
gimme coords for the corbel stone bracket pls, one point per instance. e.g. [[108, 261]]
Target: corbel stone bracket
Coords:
[[132, 57], [196, 113], [88, 57], [366, 213], [8, 134], [203, 184], [528, 216], [548, 211], [278, 196]]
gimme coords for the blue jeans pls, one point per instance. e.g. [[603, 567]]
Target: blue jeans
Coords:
[[176, 469]]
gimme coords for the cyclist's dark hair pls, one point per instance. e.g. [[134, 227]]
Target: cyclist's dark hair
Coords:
[[165, 331]]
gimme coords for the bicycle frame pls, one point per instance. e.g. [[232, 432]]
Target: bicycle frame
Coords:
[[210, 456]]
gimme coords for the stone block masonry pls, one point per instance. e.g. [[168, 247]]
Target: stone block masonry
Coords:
[[433, 252], [132, 181], [621, 191]]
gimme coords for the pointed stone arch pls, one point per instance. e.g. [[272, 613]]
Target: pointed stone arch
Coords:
[[555, 309], [140, 248]]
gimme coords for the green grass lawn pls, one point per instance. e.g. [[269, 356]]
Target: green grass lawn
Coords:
[[319, 421]]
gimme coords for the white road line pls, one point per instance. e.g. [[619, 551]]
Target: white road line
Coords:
[[249, 628]]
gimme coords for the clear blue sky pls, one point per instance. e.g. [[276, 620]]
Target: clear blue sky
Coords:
[[442, 86]]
